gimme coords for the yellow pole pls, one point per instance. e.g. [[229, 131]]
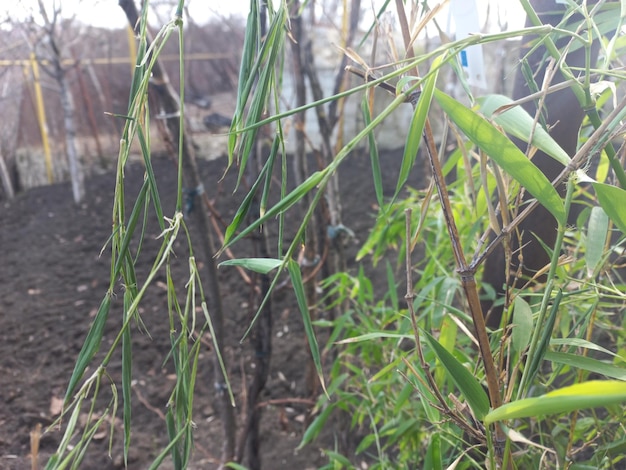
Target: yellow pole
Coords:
[[41, 117], [132, 49]]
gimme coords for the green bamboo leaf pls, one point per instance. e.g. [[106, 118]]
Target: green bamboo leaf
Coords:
[[522, 324], [392, 291], [592, 394], [269, 53], [374, 335], [258, 265], [581, 343], [504, 153], [298, 287], [426, 396], [285, 203], [587, 363], [597, 230], [235, 466], [613, 200], [245, 206], [433, 455], [534, 361], [447, 338], [464, 380], [517, 122], [316, 426], [374, 157], [268, 171], [336, 457], [90, 347], [416, 129]]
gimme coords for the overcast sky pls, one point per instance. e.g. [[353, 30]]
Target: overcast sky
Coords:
[[106, 13]]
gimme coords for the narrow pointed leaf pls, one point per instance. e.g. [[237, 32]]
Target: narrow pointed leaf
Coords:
[[506, 154], [258, 265], [298, 287], [592, 394], [613, 200], [597, 230], [464, 380], [587, 363], [374, 157], [517, 122], [285, 203], [90, 347], [416, 129]]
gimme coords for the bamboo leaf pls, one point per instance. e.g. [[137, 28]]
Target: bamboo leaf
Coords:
[[374, 157], [433, 454], [597, 230], [258, 265], [613, 200], [587, 363], [244, 208], [374, 335], [316, 426], [501, 150], [464, 380], [522, 324], [298, 287], [90, 347], [582, 343], [285, 203], [416, 129], [534, 361], [517, 122], [592, 394]]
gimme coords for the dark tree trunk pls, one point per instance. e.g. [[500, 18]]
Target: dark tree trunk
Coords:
[[564, 117]]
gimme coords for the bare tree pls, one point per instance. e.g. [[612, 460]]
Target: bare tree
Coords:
[[45, 38]]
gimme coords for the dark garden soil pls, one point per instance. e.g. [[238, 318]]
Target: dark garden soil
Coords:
[[53, 278]]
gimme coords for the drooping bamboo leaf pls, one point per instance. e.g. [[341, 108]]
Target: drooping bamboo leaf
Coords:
[[268, 170], [597, 230], [258, 265], [587, 363], [503, 152], [272, 45], [90, 347], [613, 200], [298, 287], [285, 203], [316, 426], [246, 204], [592, 394], [517, 122], [416, 129], [464, 380], [581, 343], [375, 160]]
